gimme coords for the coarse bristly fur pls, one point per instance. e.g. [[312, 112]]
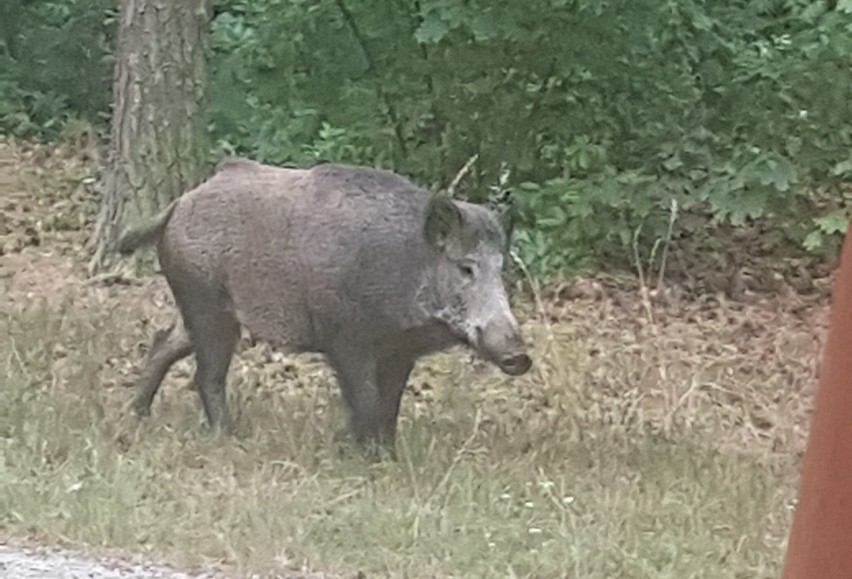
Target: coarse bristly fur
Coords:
[[356, 263]]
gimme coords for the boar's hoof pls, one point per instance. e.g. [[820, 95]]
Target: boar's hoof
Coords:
[[141, 409]]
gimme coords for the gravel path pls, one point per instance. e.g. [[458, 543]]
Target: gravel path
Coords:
[[36, 563], [30, 562]]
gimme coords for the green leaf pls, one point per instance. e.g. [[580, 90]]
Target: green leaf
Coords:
[[672, 163], [529, 186], [483, 28], [843, 167], [813, 241], [583, 159], [777, 173], [834, 222], [432, 30], [747, 204]]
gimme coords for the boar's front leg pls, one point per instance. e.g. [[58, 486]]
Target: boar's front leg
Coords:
[[358, 377], [393, 372]]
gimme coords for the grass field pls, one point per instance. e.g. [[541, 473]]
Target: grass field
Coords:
[[639, 447]]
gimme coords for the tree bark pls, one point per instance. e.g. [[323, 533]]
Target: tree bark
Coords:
[[158, 142]]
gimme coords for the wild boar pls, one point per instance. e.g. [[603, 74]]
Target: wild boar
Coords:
[[355, 263]]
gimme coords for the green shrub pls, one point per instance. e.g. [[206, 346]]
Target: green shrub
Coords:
[[604, 114]]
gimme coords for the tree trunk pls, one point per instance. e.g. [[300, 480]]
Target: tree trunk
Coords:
[[158, 142], [820, 541]]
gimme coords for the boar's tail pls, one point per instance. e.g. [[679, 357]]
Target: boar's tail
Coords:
[[146, 233]]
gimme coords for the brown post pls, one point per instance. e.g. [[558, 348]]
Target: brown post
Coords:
[[820, 545]]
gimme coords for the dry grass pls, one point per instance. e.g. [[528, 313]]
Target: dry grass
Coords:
[[635, 449], [592, 468]]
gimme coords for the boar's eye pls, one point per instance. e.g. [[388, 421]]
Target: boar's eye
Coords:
[[467, 269]]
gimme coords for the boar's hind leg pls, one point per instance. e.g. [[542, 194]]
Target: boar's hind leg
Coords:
[[169, 346], [214, 331], [392, 377]]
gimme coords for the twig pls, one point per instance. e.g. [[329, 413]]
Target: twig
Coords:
[[643, 287], [451, 189], [672, 218], [539, 303], [113, 278], [683, 398], [457, 458], [539, 306], [501, 189], [548, 351], [14, 353]]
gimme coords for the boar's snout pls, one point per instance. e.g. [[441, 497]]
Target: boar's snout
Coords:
[[501, 343], [515, 365]]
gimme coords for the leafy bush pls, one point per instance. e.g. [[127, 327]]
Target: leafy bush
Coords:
[[605, 114], [55, 63]]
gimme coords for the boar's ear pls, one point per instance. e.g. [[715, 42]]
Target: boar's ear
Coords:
[[443, 220]]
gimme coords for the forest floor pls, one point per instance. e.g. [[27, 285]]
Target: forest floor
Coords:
[[655, 438]]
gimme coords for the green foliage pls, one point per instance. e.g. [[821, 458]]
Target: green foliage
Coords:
[[55, 63], [828, 225], [603, 113]]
